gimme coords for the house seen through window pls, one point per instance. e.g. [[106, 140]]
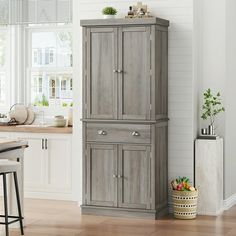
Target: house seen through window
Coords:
[[51, 67], [3, 66]]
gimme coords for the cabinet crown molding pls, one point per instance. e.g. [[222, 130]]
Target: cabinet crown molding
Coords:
[[125, 21]]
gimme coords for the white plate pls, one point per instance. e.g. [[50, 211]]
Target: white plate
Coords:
[[19, 113]]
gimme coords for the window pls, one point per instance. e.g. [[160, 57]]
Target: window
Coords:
[[50, 66], [63, 85], [37, 56], [4, 67], [49, 56]]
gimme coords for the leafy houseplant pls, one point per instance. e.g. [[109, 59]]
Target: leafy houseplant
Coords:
[[109, 12], [212, 107]]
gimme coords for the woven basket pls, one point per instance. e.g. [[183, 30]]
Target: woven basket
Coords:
[[185, 204]]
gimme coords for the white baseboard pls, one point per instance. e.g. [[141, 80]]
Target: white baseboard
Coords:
[[229, 202]]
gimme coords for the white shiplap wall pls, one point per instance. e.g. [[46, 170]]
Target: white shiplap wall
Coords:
[[180, 14]]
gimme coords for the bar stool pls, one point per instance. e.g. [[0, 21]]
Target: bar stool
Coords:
[[11, 167]]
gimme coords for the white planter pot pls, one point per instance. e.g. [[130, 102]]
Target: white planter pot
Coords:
[[109, 16]]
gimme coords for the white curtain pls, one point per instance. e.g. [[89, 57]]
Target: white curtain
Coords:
[[35, 11]]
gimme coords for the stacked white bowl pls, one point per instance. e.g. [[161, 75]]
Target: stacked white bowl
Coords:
[[59, 121]]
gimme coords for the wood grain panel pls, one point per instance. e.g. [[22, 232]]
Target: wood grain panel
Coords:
[[161, 103], [102, 81], [36, 129], [161, 166], [134, 81], [119, 133], [102, 165], [134, 184]]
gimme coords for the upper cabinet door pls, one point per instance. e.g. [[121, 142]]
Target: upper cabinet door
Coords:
[[134, 73], [100, 70]]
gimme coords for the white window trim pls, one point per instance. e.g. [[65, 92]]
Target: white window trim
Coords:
[[7, 70], [28, 59]]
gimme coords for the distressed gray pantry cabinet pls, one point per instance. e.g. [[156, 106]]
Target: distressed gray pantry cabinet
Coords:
[[125, 117]]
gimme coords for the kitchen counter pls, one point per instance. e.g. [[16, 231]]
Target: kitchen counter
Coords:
[[36, 129]]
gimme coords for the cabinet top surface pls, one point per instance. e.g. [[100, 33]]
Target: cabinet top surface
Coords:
[[125, 21]]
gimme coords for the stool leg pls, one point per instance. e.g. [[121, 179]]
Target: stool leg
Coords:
[[18, 202], [5, 203]]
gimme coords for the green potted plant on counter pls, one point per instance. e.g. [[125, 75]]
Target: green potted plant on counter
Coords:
[[109, 12]]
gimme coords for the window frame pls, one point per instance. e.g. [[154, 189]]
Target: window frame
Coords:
[[29, 30], [7, 69]]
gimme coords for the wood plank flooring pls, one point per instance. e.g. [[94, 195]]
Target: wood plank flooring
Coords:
[[57, 218]]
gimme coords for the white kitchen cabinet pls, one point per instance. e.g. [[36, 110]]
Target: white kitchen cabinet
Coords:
[[34, 164], [58, 164], [48, 164]]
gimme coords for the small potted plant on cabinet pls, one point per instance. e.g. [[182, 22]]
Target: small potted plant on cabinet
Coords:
[[211, 108], [184, 197], [109, 12]]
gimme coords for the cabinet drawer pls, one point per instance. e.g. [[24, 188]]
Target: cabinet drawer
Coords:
[[118, 133]]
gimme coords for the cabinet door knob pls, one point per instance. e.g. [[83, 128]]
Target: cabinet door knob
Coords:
[[102, 132], [120, 176], [114, 176], [119, 71], [135, 133], [115, 71]]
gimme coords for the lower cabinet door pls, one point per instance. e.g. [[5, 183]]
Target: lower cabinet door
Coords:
[[34, 164], [134, 177], [102, 175], [59, 164]]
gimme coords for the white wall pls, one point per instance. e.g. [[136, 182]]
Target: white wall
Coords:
[[216, 65], [77, 102], [230, 86], [181, 110], [211, 51]]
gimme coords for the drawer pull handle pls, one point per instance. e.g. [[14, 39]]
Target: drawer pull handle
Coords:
[[135, 133], [102, 132]]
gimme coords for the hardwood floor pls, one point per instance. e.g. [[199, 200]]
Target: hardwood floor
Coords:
[[56, 218]]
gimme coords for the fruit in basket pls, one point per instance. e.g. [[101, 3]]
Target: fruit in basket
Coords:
[[174, 184], [192, 189], [182, 184]]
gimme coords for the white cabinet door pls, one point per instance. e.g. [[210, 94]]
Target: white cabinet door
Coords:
[[58, 176], [35, 163], [48, 164]]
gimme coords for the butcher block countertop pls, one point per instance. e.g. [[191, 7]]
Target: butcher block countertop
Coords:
[[36, 129]]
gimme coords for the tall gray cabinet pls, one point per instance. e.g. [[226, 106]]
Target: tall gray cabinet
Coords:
[[125, 117]]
